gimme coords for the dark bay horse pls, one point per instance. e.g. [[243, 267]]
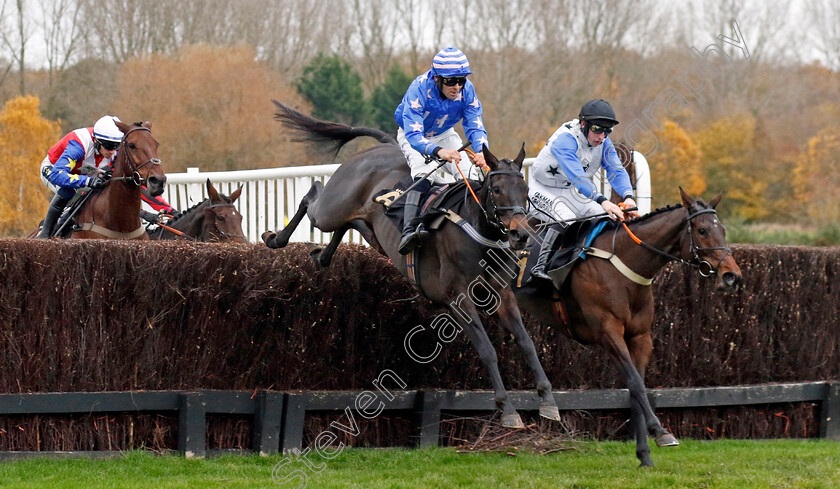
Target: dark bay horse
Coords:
[[214, 220], [451, 265], [114, 212], [606, 307]]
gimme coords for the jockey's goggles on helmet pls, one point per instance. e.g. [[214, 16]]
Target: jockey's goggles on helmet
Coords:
[[109, 145], [599, 129], [454, 80]]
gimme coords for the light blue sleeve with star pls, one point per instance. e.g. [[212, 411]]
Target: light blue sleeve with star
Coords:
[[472, 122], [414, 106]]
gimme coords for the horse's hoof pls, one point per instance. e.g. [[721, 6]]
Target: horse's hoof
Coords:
[[512, 421], [549, 412], [267, 236], [666, 440]]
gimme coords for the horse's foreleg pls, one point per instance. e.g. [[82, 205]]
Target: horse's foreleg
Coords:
[[278, 240], [487, 354], [640, 409], [508, 313]]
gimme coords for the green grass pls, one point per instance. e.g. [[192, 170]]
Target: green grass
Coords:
[[779, 234], [812, 464]]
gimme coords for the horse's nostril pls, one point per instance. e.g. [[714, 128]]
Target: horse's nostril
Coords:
[[730, 278]]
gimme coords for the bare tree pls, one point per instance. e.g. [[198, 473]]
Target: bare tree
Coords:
[[824, 19], [60, 26], [15, 36]]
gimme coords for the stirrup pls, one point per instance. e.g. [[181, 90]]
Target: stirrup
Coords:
[[412, 240]]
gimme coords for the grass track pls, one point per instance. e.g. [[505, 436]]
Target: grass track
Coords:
[[812, 464]]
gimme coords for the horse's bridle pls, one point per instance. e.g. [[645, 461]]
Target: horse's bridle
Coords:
[[135, 178], [703, 267], [222, 233], [493, 210]]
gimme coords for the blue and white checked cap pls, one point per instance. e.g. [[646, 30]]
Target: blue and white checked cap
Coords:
[[450, 62]]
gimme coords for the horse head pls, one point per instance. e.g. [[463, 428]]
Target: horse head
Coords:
[[505, 197], [137, 161], [706, 244], [222, 222]]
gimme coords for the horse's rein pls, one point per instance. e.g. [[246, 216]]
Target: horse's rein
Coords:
[[697, 262]]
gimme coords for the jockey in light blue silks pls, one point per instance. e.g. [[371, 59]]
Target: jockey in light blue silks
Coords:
[[433, 104], [561, 185]]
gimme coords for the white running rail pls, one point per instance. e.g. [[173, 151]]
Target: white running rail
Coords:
[[270, 197]]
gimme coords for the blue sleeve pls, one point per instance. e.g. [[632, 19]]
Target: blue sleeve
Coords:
[[616, 173], [472, 122], [414, 106], [60, 175], [564, 149]]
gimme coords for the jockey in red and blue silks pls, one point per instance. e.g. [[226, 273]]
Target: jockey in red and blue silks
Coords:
[[87, 150], [434, 103]]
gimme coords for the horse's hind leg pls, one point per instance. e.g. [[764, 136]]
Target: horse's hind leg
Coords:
[[323, 255], [278, 240], [510, 317]]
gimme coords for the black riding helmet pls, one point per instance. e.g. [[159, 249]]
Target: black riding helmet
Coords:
[[598, 112]]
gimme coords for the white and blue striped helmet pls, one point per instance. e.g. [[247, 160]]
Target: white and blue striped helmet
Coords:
[[450, 62]]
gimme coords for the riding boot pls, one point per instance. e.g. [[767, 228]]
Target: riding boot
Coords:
[[545, 253], [53, 213], [412, 236]]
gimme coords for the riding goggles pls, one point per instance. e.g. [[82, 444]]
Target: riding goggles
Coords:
[[599, 129], [109, 145], [454, 80]]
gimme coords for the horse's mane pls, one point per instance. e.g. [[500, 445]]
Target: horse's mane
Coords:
[[655, 212], [185, 213]]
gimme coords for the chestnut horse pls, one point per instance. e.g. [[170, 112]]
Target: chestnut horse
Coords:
[[604, 306], [114, 212], [451, 266], [215, 220]]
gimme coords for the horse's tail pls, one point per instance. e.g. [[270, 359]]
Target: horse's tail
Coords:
[[333, 134]]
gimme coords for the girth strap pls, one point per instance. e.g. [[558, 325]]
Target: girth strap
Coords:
[[619, 265], [95, 228]]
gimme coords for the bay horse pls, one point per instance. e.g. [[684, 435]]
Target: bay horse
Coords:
[[114, 212], [604, 306], [214, 220], [451, 263]]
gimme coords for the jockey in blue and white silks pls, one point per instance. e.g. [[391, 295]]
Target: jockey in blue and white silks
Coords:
[[434, 103], [561, 187]]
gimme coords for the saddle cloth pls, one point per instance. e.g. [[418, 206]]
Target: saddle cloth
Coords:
[[567, 249], [435, 204]]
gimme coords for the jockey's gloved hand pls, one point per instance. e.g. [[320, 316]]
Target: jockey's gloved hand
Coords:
[[97, 181], [150, 217]]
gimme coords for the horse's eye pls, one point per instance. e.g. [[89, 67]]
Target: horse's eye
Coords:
[[702, 231], [496, 190], [132, 146], [221, 218]]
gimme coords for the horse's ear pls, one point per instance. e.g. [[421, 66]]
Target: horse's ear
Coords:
[[235, 194], [714, 202], [211, 191], [147, 124], [520, 158], [122, 126], [687, 200], [490, 158]]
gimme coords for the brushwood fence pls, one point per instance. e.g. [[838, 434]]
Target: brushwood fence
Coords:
[[129, 319]]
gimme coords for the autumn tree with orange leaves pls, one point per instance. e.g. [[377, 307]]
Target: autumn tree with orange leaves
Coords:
[[25, 137], [817, 179], [213, 111], [677, 163]]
